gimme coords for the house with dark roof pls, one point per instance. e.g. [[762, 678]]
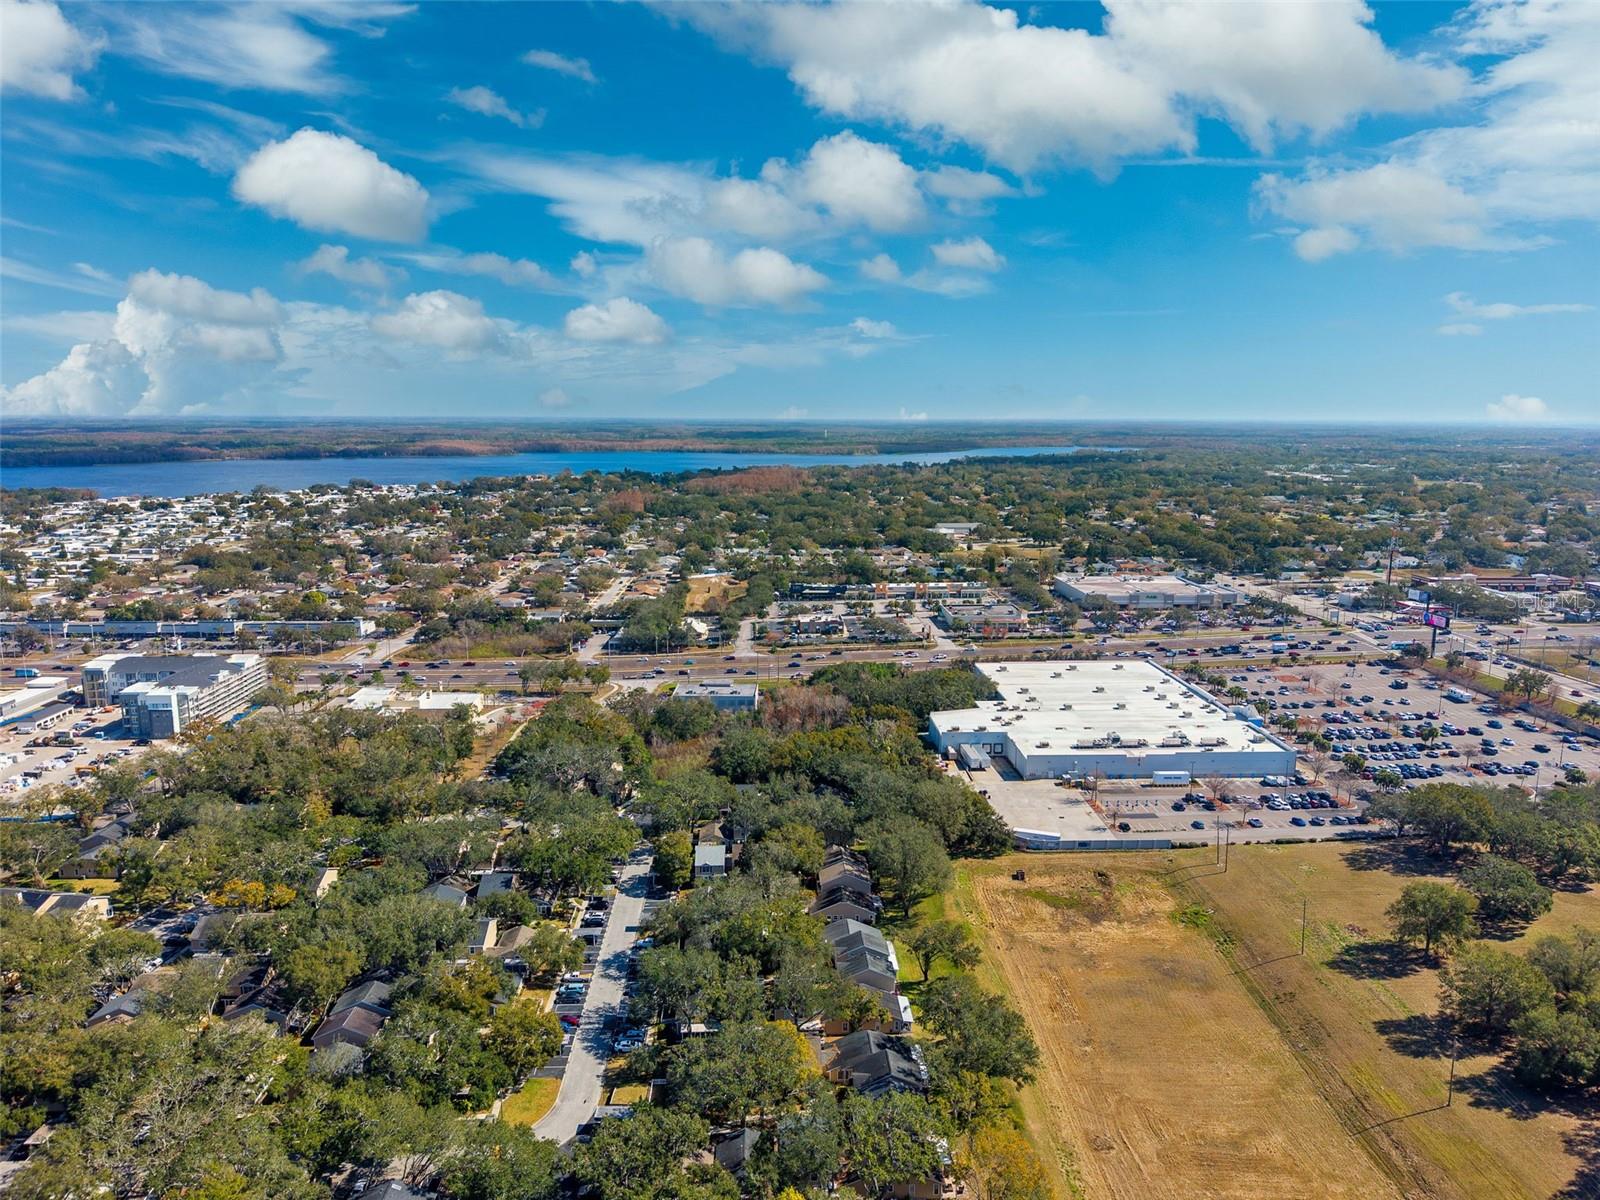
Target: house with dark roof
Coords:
[[354, 1026], [42, 901], [446, 892], [873, 1063], [372, 996]]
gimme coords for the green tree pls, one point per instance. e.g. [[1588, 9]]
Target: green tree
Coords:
[[1555, 1049], [948, 940], [674, 860], [1491, 990], [1506, 891], [908, 858], [750, 1068], [523, 1036], [978, 1030], [895, 1138], [1434, 913], [491, 1160], [999, 1164], [638, 1158]]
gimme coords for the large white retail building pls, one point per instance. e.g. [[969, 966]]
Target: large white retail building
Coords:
[[1128, 719], [1145, 591]]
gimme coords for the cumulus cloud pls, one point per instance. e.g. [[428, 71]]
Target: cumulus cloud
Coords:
[[176, 345], [973, 254], [880, 268], [869, 328], [489, 103], [695, 268], [555, 398], [583, 265], [561, 64], [513, 272], [444, 319], [329, 183], [861, 182], [1530, 159], [1026, 94], [1394, 205], [335, 262], [41, 50], [616, 320], [1512, 407], [965, 191], [843, 182], [1314, 245]]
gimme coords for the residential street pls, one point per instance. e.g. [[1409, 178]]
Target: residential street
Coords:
[[591, 1048]]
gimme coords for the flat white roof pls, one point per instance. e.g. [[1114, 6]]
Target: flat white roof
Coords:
[[1080, 706], [1137, 585]]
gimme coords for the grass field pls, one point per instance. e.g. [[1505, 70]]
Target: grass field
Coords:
[[530, 1102], [1189, 1051]]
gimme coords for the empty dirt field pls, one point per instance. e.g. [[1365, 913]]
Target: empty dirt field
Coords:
[[1189, 1051]]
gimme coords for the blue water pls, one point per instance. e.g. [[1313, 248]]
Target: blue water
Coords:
[[241, 475]]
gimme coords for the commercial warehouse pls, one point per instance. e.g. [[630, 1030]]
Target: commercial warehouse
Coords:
[[1145, 591], [1117, 720]]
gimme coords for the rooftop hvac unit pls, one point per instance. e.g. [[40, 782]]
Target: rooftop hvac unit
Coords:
[[1071, 666], [1041, 745], [1065, 707], [1119, 704], [1116, 666], [1055, 674], [1022, 689], [1186, 713], [1149, 687], [1099, 689]]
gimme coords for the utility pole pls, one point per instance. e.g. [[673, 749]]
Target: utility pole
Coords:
[[1450, 1088], [1303, 903]]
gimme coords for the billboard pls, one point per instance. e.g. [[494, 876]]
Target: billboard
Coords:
[[1437, 618]]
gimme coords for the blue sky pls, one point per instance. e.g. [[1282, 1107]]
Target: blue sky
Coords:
[[1142, 210]]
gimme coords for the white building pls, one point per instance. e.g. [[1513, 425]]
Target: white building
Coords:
[[1118, 720], [1145, 591], [723, 694], [162, 694]]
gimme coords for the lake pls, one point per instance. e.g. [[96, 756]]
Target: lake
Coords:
[[244, 474]]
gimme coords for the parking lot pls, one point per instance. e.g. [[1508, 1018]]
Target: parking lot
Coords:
[[80, 742]]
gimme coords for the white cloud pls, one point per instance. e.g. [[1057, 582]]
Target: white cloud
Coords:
[[793, 413], [869, 328], [329, 183], [1461, 329], [758, 208], [880, 268], [695, 268], [1025, 94], [335, 262], [41, 50], [583, 265], [1394, 205], [843, 182], [11, 268], [973, 254], [555, 398], [235, 46], [1530, 159], [444, 319], [176, 345], [69, 326], [616, 320], [861, 182], [549, 60], [1314, 245], [1513, 407], [490, 103], [513, 272], [1465, 306], [912, 416], [965, 191]]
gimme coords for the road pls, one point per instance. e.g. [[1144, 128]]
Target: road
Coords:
[[591, 1048]]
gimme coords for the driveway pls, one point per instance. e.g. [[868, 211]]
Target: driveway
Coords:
[[591, 1048]]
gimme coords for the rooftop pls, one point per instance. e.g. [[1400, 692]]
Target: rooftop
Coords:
[[1061, 706]]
